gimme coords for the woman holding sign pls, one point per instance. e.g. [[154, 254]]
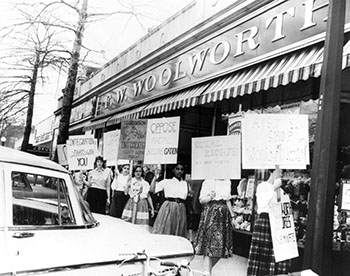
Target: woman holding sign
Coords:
[[261, 259], [214, 237], [171, 219], [138, 190]]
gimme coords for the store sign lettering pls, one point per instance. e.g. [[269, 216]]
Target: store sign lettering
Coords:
[[81, 111], [249, 42]]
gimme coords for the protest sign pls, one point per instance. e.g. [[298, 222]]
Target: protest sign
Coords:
[[216, 157], [162, 140], [110, 147], [132, 139], [275, 139], [81, 152], [284, 239]]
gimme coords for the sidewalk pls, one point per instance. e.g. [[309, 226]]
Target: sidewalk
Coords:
[[236, 265]]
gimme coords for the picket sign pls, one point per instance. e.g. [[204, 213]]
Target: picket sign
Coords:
[[284, 239]]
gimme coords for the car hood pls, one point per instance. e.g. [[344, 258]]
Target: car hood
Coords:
[[113, 240]]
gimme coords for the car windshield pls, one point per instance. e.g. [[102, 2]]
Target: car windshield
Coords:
[[44, 200]]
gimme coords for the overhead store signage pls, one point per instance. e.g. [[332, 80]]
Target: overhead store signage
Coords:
[[275, 29], [216, 157], [275, 139], [82, 111], [132, 139], [162, 140], [81, 152]]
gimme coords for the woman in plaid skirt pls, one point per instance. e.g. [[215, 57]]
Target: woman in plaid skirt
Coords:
[[214, 236], [261, 259]]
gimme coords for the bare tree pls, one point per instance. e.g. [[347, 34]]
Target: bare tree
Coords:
[[77, 9], [68, 91], [31, 48]]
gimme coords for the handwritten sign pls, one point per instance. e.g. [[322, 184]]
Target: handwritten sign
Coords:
[[216, 157], [284, 239], [162, 140], [132, 139], [275, 139], [81, 152], [110, 146]]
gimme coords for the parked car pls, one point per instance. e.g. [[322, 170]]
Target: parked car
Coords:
[[47, 228]]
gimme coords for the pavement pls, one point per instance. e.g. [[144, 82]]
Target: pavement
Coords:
[[236, 265]]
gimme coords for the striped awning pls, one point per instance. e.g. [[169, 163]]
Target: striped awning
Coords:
[[96, 124], [299, 65], [133, 113], [187, 98]]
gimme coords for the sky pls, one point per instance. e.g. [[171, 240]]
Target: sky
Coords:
[[112, 35]]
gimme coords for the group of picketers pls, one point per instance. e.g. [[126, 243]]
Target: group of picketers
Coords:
[[133, 197]]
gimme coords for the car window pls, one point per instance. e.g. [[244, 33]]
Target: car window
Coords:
[[40, 200]]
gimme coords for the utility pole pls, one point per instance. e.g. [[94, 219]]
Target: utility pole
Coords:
[[319, 231]]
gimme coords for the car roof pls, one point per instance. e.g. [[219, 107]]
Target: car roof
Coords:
[[9, 155]]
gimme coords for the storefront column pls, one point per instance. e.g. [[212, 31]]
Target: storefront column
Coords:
[[318, 246]]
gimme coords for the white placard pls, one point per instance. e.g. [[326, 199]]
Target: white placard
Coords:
[[216, 157], [275, 139], [81, 152], [282, 230], [110, 146], [162, 141]]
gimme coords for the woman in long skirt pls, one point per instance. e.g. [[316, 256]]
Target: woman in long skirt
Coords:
[[214, 237], [140, 199], [172, 219], [261, 259]]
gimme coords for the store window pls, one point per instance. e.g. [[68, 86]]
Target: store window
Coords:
[[40, 200]]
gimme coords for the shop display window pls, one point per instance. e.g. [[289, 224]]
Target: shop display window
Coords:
[[341, 221], [243, 204], [296, 183]]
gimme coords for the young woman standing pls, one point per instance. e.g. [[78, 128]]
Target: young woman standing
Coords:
[[214, 237], [138, 190], [119, 197], [261, 259], [98, 195], [171, 218]]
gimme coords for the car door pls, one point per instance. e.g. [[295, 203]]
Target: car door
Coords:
[[5, 262], [42, 221]]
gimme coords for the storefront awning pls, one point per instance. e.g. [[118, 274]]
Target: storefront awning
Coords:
[[96, 124], [300, 65], [187, 98], [128, 114]]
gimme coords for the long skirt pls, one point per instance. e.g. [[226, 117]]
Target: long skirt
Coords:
[[142, 215], [171, 219], [97, 199], [119, 200], [214, 236], [261, 259]]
